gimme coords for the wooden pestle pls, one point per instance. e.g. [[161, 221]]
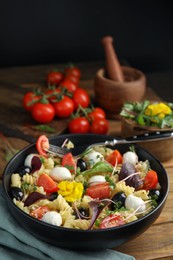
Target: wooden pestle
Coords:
[[113, 67]]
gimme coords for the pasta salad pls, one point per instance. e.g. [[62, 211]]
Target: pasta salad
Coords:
[[101, 189]]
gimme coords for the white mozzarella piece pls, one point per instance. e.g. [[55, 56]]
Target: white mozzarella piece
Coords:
[[130, 157], [96, 179], [133, 202], [28, 160], [52, 217], [59, 173], [94, 157]]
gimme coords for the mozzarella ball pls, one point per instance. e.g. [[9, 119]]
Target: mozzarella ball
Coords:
[[94, 157], [133, 202], [52, 217], [96, 179], [60, 173], [130, 157]]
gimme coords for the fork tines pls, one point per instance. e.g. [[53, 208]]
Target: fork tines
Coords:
[[57, 149]]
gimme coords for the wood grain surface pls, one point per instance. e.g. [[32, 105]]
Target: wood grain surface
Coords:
[[17, 125]]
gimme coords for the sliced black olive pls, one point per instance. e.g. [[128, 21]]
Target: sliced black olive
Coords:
[[82, 213], [53, 196], [118, 200], [16, 193], [154, 194], [81, 164], [23, 170]]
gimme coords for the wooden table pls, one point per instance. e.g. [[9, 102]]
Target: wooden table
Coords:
[[157, 241]]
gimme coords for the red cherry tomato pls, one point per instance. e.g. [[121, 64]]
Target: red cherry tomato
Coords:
[[42, 145], [54, 78], [47, 183], [73, 70], [64, 108], [100, 191], [69, 162], [97, 112], [72, 78], [43, 113], [69, 85], [114, 157], [150, 180], [81, 97], [52, 94], [112, 221], [29, 100], [79, 125], [39, 212], [100, 126]]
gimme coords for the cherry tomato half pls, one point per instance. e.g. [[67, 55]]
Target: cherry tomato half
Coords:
[[54, 78], [79, 125], [81, 97], [100, 126], [29, 100], [42, 145], [43, 113], [47, 183], [69, 162], [112, 221], [114, 157], [150, 180], [39, 212], [64, 108], [99, 191]]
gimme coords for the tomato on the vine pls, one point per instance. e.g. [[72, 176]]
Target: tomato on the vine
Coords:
[[29, 100], [51, 93], [64, 108], [81, 97], [73, 70], [43, 112], [69, 85], [112, 221], [54, 77], [114, 157], [72, 78], [99, 191], [79, 125], [97, 112], [100, 126]]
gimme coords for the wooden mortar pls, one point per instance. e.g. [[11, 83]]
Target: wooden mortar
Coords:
[[117, 84]]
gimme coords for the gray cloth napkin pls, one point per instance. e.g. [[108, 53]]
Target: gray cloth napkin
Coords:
[[17, 243]]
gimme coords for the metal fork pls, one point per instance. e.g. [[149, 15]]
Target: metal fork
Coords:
[[79, 151]]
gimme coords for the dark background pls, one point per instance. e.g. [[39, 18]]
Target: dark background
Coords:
[[59, 31]]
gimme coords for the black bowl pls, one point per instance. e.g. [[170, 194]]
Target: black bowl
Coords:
[[85, 239]]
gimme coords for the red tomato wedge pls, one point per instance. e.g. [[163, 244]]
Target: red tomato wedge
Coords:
[[151, 180], [39, 212], [112, 221], [114, 158], [69, 162], [42, 145], [99, 191], [47, 183]]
